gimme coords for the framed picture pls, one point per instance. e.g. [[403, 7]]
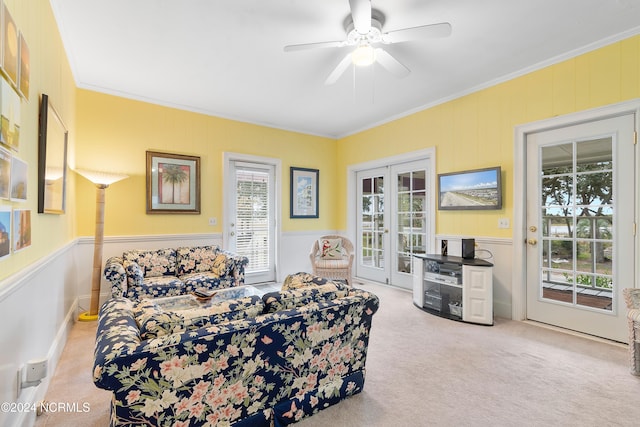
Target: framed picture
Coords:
[[21, 229], [10, 46], [304, 193], [52, 159], [24, 72], [5, 173], [5, 231], [10, 109], [470, 190], [173, 183], [19, 174]]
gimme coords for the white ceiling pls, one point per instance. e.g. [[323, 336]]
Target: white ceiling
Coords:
[[225, 57]]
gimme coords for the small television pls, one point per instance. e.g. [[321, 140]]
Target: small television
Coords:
[[470, 190]]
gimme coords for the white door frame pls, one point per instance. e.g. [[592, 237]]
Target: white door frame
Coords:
[[519, 280], [227, 177], [429, 154]]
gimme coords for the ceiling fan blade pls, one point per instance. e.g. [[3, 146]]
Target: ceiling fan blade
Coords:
[[391, 64], [361, 15], [339, 70], [307, 46], [442, 29]]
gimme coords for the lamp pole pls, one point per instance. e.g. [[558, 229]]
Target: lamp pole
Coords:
[[102, 180]]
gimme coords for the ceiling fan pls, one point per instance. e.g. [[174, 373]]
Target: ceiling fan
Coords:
[[364, 30]]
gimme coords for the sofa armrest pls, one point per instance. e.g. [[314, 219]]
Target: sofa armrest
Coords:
[[115, 273], [237, 265], [117, 336]]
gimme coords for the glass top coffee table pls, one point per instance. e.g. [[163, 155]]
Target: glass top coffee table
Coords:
[[190, 301]]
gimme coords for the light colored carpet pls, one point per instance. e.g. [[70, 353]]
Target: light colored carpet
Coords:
[[426, 371]]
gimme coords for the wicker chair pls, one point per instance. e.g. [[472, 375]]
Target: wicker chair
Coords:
[[632, 298], [334, 267]]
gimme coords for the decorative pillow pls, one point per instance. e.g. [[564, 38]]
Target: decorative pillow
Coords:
[[154, 322], [196, 259], [221, 265], [161, 262], [293, 298], [135, 276], [330, 248], [302, 280]]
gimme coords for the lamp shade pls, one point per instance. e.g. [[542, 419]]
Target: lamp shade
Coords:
[[100, 177], [363, 55]]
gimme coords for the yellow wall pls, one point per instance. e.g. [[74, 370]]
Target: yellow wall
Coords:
[[50, 74], [114, 134], [477, 130]]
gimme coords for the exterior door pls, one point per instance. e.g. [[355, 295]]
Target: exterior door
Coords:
[[250, 229], [392, 221], [372, 226], [409, 220], [580, 225]]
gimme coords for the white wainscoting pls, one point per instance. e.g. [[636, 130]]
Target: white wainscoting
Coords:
[[294, 254], [39, 304], [38, 307]]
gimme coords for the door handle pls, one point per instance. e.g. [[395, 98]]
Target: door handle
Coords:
[[232, 233], [532, 242]]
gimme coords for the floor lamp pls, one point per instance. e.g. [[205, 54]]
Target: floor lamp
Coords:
[[102, 180]]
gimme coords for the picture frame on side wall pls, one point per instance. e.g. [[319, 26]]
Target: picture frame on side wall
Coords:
[[304, 201], [21, 229], [10, 46], [24, 72], [19, 178], [5, 174], [173, 183], [52, 159], [5, 231]]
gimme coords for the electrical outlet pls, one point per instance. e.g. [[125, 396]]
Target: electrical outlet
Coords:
[[213, 221], [503, 223]]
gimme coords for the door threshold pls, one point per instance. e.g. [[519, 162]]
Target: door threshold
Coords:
[[576, 333]]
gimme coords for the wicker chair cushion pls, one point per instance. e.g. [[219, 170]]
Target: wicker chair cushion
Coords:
[[330, 248]]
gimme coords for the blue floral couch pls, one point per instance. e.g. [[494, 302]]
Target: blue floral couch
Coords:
[[257, 361], [165, 272]]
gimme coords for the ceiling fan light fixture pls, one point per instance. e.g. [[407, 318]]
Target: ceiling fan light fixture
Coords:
[[363, 56]]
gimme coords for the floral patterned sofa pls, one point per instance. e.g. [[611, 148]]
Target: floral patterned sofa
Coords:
[[164, 272], [256, 361]]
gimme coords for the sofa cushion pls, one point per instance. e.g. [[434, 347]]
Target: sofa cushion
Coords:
[[207, 279], [222, 265], [293, 298], [154, 263], [154, 321], [302, 280], [330, 248], [196, 259]]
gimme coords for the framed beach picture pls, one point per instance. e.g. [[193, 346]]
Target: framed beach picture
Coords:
[[173, 183], [304, 193]]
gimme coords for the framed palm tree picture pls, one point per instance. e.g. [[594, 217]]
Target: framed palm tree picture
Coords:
[[173, 183]]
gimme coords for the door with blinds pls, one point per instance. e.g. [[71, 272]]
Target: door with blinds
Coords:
[[250, 224]]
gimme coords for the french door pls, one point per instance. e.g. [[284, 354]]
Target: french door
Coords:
[[392, 226], [250, 226], [580, 225]]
